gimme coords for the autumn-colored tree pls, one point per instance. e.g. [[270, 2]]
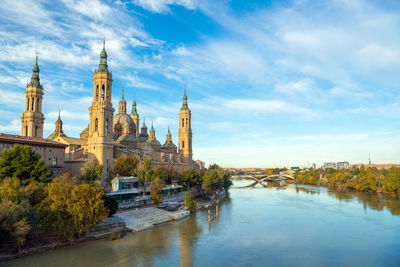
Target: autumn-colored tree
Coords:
[[155, 190], [125, 166], [16, 214], [70, 208], [392, 181], [91, 172], [23, 163]]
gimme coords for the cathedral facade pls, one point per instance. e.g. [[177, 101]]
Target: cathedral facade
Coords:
[[109, 136]]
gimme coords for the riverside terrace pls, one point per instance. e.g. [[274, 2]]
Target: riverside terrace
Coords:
[[128, 193]]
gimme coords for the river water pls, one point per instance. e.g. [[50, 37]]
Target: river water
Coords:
[[290, 226]]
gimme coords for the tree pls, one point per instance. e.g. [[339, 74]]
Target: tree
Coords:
[[111, 204], [23, 163], [216, 178], [126, 166], [161, 172], [69, 208], [92, 171], [145, 172], [190, 178], [15, 212], [189, 203], [155, 190], [392, 181]]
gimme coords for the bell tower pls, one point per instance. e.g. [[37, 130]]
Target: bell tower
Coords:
[[32, 119], [185, 129], [100, 139]]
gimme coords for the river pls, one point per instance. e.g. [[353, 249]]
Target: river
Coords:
[[290, 226]]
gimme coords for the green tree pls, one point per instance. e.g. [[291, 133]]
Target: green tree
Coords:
[[69, 208], [189, 202], [161, 172], [145, 172], [91, 172], [216, 178], [111, 204], [126, 166], [155, 190], [23, 163], [190, 178]]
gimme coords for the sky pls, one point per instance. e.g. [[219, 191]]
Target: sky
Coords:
[[269, 83]]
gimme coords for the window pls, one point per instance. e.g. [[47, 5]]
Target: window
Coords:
[[183, 122], [36, 131], [33, 104], [96, 124], [97, 92], [183, 144], [27, 106], [54, 162], [37, 104], [187, 122], [102, 92], [26, 130]]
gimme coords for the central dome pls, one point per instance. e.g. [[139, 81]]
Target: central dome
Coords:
[[123, 124]]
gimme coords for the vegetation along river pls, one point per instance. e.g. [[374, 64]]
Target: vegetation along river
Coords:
[[291, 226]]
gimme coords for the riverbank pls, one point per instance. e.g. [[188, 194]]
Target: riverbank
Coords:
[[38, 243], [132, 220]]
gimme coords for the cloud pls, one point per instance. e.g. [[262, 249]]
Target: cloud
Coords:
[[162, 6]]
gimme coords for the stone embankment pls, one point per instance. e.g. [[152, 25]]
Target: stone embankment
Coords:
[[139, 220]]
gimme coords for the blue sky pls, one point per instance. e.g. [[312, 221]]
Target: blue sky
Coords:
[[270, 83]]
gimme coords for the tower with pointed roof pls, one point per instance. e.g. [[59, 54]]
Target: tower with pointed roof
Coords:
[[32, 119], [143, 130], [100, 137], [185, 129], [135, 116], [58, 131]]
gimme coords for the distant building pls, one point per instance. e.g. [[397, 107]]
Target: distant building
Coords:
[[295, 168], [328, 165], [343, 165], [314, 166]]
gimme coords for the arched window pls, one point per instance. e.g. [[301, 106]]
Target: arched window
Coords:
[[183, 122], [26, 130], [97, 92], [183, 144], [37, 104], [33, 104], [27, 106], [36, 131], [102, 92], [96, 124], [187, 122]]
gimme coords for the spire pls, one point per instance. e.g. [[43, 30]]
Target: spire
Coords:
[[134, 110], [184, 104], [144, 123], [122, 104], [103, 58], [58, 130], [35, 80], [152, 128]]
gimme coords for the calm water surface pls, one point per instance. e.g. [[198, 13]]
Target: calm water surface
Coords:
[[293, 226]]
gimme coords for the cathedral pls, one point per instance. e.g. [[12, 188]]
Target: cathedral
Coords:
[[108, 136]]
